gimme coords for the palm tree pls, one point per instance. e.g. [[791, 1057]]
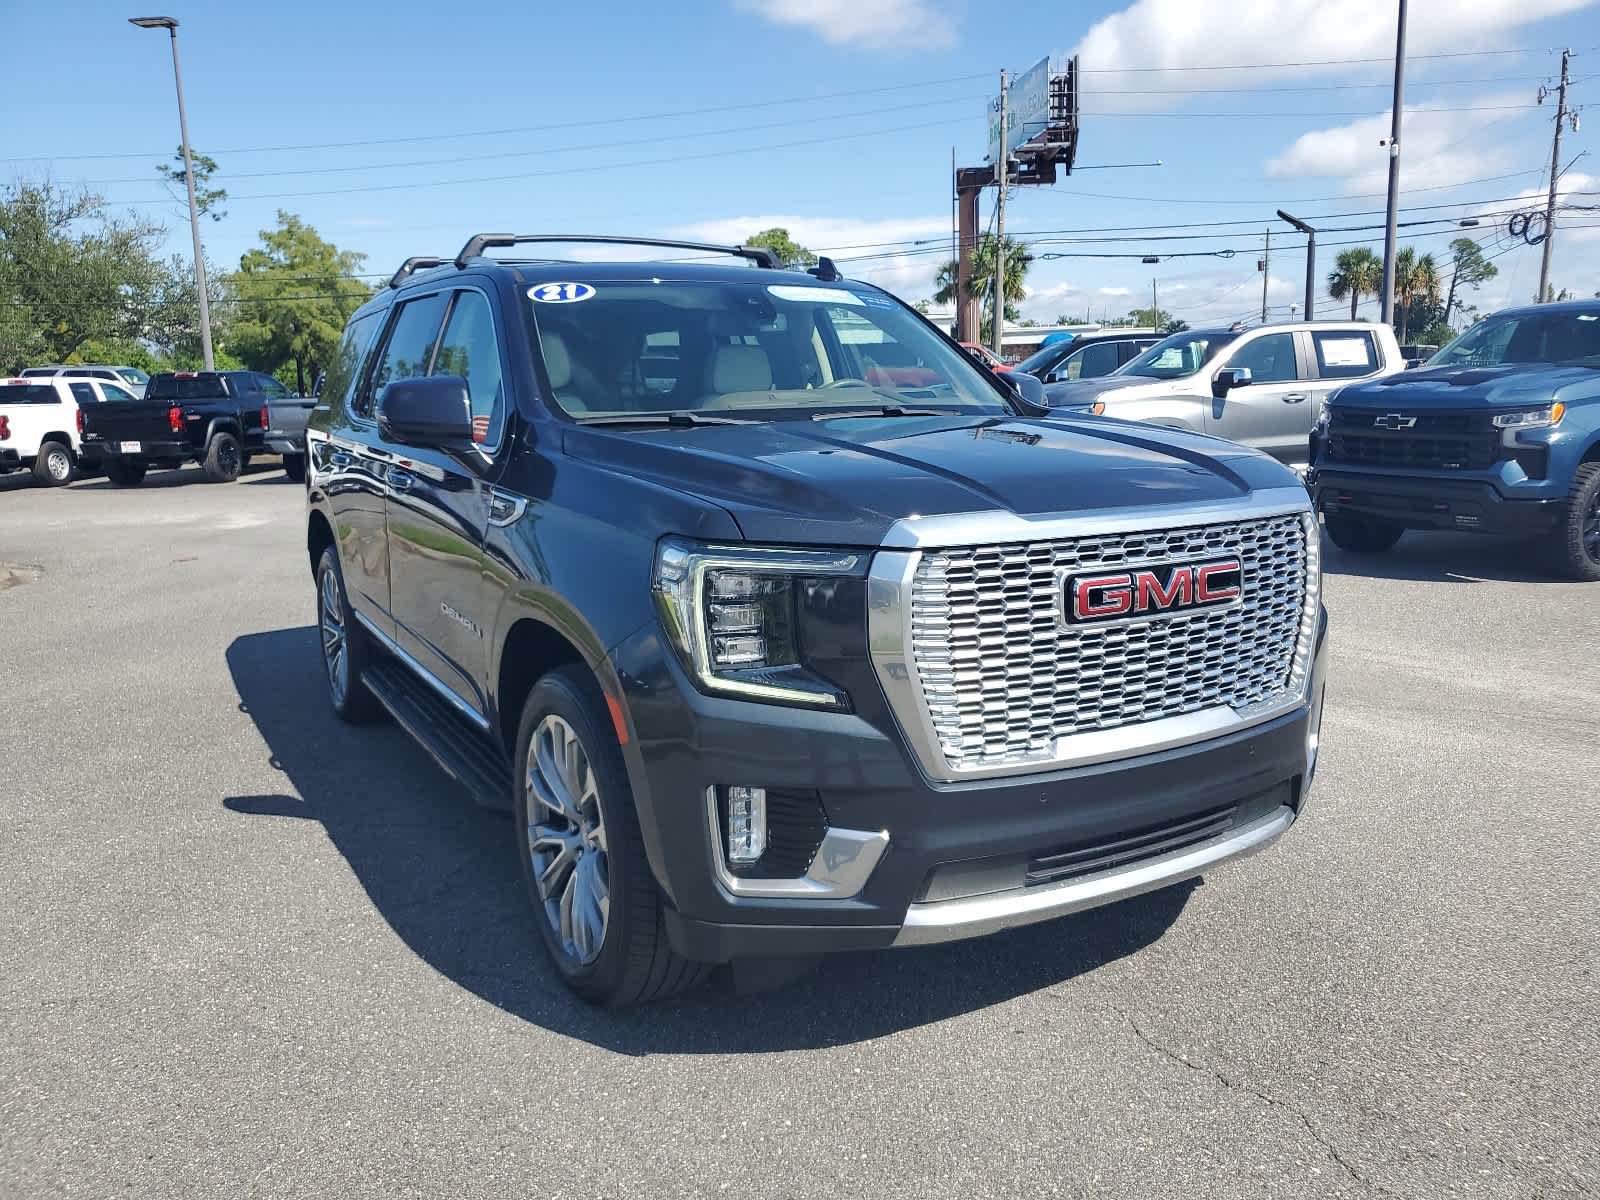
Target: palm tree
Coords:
[[982, 280], [1356, 272], [1414, 279]]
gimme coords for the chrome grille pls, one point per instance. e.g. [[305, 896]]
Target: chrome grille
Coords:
[[1003, 677]]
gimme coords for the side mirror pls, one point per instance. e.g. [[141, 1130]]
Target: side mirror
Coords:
[[1229, 378], [431, 410], [1028, 387], [1413, 364]]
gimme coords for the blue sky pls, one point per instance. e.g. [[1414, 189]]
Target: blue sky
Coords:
[[835, 117]]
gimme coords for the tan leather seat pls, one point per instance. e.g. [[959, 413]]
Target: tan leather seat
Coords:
[[558, 367], [735, 373]]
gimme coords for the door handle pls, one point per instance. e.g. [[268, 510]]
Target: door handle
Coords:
[[401, 480], [1294, 397]]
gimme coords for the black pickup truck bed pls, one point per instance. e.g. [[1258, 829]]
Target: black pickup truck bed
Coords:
[[213, 418]]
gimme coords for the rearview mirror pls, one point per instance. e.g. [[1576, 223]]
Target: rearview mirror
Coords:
[[1229, 378], [431, 410]]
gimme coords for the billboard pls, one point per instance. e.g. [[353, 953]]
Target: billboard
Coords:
[[1027, 109]]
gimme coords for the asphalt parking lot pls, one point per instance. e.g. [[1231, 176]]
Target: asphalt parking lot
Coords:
[[248, 951]]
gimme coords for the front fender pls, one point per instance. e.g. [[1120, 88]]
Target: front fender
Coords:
[[1175, 412]]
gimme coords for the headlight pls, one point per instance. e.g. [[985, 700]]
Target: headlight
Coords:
[[730, 611], [1533, 418]]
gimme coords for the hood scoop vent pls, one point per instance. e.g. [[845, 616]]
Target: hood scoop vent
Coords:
[[1471, 377]]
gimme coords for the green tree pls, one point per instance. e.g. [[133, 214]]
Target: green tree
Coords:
[[1468, 268], [293, 296], [981, 281], [790, 251], [1357, 272], [1416, 284], [70, 273], [1158, 319], [208, 200]]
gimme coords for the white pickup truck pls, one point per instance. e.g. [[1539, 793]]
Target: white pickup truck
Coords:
[[42, 422]]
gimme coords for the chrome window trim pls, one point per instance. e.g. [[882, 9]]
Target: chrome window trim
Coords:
[[839, 870], [422, 672], [889, 633]]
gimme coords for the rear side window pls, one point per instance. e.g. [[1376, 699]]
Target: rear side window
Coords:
[[38, 372], [29, 393], [469, 349], [1093, 361], [83, 393], [346, 366], [201, 385], [1343, 354], [409, 350]]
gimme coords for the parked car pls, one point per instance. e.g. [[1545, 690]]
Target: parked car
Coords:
[[283, 416], [769, 660], [1499, 432], [130, 378], [987, 357], [1261, 386], [42, 421], [214, 418], [1089, 356]]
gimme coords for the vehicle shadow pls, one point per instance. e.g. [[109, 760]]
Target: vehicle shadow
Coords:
[[1426, 557], [444, 874]]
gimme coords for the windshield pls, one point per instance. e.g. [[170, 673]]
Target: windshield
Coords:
[[1044, 358], [133, 375], [1179, 355], [744, 351], [1537, 337]]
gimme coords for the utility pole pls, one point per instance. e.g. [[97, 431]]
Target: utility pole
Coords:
[[1266, 273], [1155, 309], [1000, 225], [1555, 167], [170, 24], [1389, 228]]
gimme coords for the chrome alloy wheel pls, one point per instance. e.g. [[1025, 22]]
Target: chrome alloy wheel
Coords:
[[567, 839], [59, 465], [335, 651]]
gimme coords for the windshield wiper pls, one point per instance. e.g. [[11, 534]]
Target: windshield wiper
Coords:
[[683, 417], [883, 410]]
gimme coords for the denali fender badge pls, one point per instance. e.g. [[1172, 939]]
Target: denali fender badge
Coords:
[[1152, 591]]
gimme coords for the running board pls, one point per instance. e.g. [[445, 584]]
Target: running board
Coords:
[[468, 755]]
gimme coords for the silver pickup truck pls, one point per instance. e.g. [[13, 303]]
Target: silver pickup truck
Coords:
[[1261, 386], [284, 419]]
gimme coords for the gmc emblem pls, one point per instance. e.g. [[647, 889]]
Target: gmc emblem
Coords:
[[1121, 595]]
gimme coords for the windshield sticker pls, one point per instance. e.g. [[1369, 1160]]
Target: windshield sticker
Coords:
[[560, 293], [813, 295]]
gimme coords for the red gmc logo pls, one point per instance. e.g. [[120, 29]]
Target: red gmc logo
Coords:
[[1117, 595]]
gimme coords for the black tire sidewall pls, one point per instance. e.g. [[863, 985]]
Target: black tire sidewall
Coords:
[[569, 693], [215, 469], [1361, 535], [41, 469], [1575, 563], [359, 706], [124, 473], [294, 466]]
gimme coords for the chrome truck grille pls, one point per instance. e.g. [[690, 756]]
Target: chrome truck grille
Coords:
[[989, 677]]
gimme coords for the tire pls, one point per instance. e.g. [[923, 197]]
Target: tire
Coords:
[[1577, 539], [339, 631], [125, 472], [628, 960], [224, 459], [53, 466], [294, 466], [1362, 535]]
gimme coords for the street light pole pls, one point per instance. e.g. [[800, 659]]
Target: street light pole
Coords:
[[1391, 221], [170, 24], [1311, 260]]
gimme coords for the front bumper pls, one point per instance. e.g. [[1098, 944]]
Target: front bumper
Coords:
[[1472, 505], [955, 860]]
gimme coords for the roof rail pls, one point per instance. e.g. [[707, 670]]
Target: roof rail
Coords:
[[479, 242], [411, 266]]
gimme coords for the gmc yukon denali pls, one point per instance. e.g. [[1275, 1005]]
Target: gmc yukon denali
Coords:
[[773, 650]]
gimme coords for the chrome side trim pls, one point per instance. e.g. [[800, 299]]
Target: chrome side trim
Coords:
[[974, 916], [889, 632], [427, 676], [505, 508], [843, 863]]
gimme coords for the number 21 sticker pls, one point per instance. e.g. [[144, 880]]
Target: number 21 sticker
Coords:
[[560, 293]]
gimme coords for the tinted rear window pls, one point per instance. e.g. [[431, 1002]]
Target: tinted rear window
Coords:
[[29, 393], [202, 386]]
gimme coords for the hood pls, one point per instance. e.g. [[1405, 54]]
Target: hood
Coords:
[[846, 481], [1087, 391], [1515, 385]]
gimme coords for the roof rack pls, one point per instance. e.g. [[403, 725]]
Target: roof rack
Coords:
[[411, 266], [479, 242], [825, 270]]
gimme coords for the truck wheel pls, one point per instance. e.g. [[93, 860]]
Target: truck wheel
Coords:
[[294, 466], [1578, 538], [125, 472], [595, 901], [345, 648], [1362, 535], [224, 460], [53, 466]]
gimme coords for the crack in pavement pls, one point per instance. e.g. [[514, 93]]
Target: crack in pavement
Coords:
[[1272, 1101]]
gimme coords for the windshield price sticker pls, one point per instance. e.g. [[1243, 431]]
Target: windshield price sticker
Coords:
[[813, 295], [561, 293]]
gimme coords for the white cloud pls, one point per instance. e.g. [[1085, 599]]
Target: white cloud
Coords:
[[1438, 147], [873, 24], [1116, 291], [1185, 33]]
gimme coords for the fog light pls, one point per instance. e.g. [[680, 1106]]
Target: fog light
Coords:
[[747, 825]]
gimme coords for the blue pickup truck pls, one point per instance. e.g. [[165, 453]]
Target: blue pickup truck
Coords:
[[1499, 432]]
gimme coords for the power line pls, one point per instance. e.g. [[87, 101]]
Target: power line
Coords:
[[1323, 62]]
